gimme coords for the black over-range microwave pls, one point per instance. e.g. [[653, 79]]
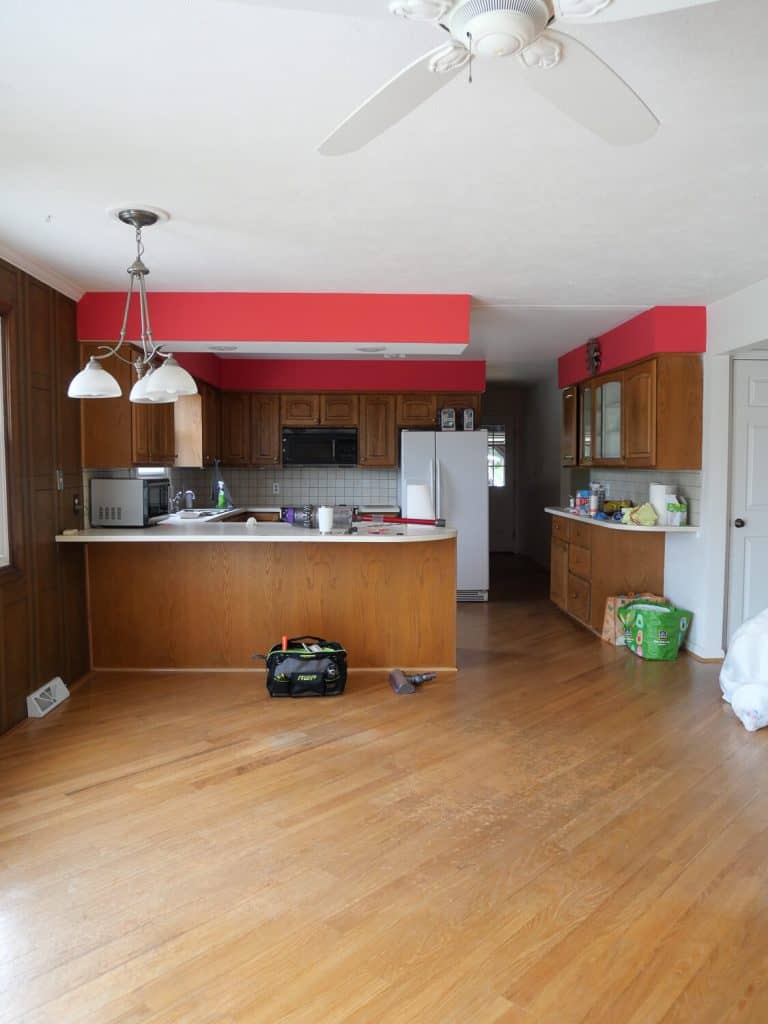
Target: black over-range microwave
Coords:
[[319, 446]]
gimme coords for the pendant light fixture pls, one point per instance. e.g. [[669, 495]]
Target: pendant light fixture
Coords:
[[160, 378]]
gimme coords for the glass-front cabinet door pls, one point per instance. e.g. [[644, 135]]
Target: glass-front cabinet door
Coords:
[[586, 427], [607, 420]]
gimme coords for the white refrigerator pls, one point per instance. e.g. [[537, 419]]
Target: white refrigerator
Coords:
[[453, 466]]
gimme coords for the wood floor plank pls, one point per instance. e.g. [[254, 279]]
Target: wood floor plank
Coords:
[[557, 833]]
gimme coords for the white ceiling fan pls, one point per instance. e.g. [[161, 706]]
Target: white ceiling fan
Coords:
[[557, 66]]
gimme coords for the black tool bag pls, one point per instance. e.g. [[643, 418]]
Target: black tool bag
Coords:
[[310, 667]]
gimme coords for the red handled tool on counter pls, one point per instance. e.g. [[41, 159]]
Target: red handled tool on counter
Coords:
[[400, 520]]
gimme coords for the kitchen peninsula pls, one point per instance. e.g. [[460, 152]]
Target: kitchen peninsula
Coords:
[[210, 595]]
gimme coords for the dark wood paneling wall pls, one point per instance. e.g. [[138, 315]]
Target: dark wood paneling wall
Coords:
[[43, 625]]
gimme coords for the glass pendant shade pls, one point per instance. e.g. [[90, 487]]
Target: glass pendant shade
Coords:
[[94, 382], [170, 381]]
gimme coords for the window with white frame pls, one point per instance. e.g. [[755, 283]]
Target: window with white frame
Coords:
[[5, 545], [497, 456]]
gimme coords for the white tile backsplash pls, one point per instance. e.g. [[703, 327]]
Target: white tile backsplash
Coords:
[[634, 484]]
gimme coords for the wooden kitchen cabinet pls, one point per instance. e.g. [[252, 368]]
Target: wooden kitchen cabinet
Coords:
[[647, 416], [339, 410], [590, 562], [663, 413], [119, 433], [569, 437], [196, 427], [459, 400], [377, 439], [417, 410], [266, 448], [236, 428], [300, 410], [210, 399]]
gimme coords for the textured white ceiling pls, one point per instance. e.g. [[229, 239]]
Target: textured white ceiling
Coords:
[[213, 111]]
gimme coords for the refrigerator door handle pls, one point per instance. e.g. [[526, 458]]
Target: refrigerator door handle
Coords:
[[439, 491], [431, 479]]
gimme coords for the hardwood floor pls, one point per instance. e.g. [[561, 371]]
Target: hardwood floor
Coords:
[[558, 833]]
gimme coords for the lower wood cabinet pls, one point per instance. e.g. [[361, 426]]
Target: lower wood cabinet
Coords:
[[589, 562], [377, 440]]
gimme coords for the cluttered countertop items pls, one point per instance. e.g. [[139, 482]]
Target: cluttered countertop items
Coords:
[[664, 512]]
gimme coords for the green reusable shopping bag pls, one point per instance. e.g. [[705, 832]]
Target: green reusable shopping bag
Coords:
[[654, 631]]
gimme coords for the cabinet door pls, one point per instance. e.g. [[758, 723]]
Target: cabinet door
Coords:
[[607, 418], [417, 410], [640, 415], [586, 425], [235, 428], [106, 423], [300, 410], [211, 410], [569, 438], [162, 441], [141, 434], [377, 443], [558, 573], [339, 410], [265, 430]]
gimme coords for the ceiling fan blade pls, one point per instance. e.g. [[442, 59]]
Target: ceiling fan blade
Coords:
[[354, 8], [401, 94], [590, 92], [593, 11]]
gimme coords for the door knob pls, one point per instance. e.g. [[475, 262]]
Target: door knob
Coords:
[[739, 523]]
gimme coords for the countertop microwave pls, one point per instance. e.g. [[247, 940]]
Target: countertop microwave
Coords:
[[138, 502], [319, 446]]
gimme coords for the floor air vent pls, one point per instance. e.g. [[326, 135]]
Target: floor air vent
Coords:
[[46, 698], [471, 595]]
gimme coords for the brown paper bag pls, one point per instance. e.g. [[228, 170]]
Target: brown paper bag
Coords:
[[613, 631]]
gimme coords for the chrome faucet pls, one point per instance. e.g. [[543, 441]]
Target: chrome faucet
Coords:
[[189, 499]]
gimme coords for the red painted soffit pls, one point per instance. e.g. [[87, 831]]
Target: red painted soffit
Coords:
[[657, 330]]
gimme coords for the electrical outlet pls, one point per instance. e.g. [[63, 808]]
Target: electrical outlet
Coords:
[[275, 488]]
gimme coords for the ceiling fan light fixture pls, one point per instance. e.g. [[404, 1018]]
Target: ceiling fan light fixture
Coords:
[[579, 8], [499, 28], [453, 55], [420, 10], [543, 53]]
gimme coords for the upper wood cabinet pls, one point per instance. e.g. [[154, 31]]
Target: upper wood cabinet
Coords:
[[211, 416], [377, 441], [459, 400], [569, 438], [648, 416], [300, 410], [236, 428], [417, 410], [339, 410], [640, 415], [265, 430], [196, 427]]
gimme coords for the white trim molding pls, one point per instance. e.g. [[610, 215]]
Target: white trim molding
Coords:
[[50, 277]]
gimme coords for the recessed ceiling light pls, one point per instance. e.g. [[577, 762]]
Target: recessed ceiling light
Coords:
[[370, 350], [222, 348]]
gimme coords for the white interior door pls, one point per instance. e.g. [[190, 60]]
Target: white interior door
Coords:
[[748, 563]]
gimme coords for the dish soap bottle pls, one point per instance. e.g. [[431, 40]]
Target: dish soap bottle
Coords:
[[221, 501]]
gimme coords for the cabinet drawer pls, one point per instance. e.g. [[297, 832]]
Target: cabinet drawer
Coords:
[[578, 598], [561, 527], [581, 534], [580, 561]]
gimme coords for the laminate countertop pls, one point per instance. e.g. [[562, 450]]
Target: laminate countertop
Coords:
[[194, 531], [609, 524]]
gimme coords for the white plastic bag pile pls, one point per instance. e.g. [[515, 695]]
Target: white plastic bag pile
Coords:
[[744, 676]]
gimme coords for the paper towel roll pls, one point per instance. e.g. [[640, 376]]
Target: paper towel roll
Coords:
[[657, 495], [325, 518], [419, 502]]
